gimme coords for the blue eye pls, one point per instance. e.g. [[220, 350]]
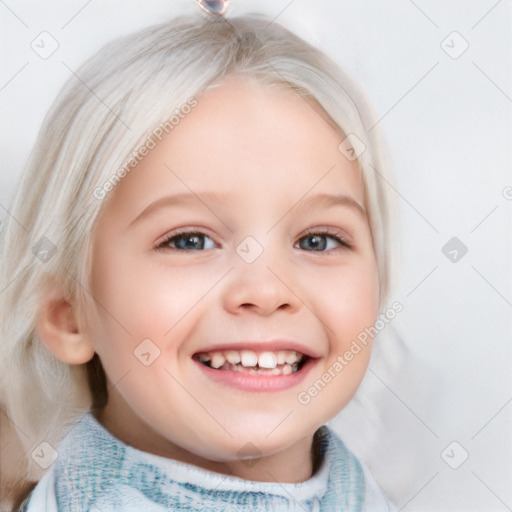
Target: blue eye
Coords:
[[197, 241], [188, 242], [320, 242]]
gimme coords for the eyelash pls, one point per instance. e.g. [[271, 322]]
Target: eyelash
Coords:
[[343, 242]]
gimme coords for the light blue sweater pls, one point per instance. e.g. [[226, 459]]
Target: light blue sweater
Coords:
[[97, 472]]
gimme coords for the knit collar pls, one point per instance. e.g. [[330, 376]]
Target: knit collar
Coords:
[[95, 468]]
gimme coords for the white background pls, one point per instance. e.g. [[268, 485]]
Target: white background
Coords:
[[442, 369]]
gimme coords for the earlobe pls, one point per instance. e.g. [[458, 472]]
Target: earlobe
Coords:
[[58, 328]]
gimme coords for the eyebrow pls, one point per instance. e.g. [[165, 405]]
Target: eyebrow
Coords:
[[330, 200], [322, 200], [177, 199]]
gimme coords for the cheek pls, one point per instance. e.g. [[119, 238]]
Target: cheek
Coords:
[[346, 304], [138, 293], [139, 298], [351, 301]]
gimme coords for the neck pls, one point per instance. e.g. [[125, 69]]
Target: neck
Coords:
[[291, 465]]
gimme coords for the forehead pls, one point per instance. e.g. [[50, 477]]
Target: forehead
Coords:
[[245, 141]]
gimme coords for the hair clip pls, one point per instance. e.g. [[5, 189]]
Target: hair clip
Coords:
[[214, 7]]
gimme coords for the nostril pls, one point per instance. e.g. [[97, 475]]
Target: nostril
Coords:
[[264, 309]]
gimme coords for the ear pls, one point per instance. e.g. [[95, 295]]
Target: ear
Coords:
[[59, 329]]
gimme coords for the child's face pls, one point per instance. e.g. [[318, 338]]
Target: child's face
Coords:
[[254, 174]]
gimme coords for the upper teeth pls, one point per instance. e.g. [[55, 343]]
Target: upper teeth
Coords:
[[249, 358]]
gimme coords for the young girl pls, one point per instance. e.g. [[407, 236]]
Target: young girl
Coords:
[[192, 256]]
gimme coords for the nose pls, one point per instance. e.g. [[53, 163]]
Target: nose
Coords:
[[260, 289]]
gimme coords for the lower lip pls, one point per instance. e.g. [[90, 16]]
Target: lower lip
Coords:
[[257, 383]]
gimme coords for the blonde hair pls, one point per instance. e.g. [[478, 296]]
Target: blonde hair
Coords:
[[99, 120]]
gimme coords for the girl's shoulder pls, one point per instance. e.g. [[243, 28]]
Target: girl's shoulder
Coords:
[[71, 465], [41, 498], [356, 486]]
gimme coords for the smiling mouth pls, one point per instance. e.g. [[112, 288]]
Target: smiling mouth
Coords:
[[282, 362]]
